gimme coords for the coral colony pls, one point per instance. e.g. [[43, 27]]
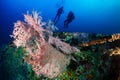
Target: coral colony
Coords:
[[47, 55]]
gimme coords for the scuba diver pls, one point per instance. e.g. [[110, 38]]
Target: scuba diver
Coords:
[[59, 12], [69, 19]]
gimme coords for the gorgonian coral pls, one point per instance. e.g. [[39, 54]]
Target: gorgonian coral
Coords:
[[45, 59]]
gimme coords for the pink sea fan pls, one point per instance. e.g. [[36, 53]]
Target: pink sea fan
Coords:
[[21, 34], [45, 59], [50, 64]]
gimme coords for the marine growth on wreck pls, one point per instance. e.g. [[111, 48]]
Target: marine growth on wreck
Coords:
[[39, 53]]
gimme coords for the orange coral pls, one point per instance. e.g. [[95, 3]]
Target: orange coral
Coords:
[[101, 41]]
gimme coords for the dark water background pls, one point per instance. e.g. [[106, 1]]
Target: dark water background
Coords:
[[91, 16]]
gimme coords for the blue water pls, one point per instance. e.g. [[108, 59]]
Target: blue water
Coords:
[[91, 16]]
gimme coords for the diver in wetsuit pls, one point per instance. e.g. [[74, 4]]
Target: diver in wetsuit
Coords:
[[59, 12], [69, 19]]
